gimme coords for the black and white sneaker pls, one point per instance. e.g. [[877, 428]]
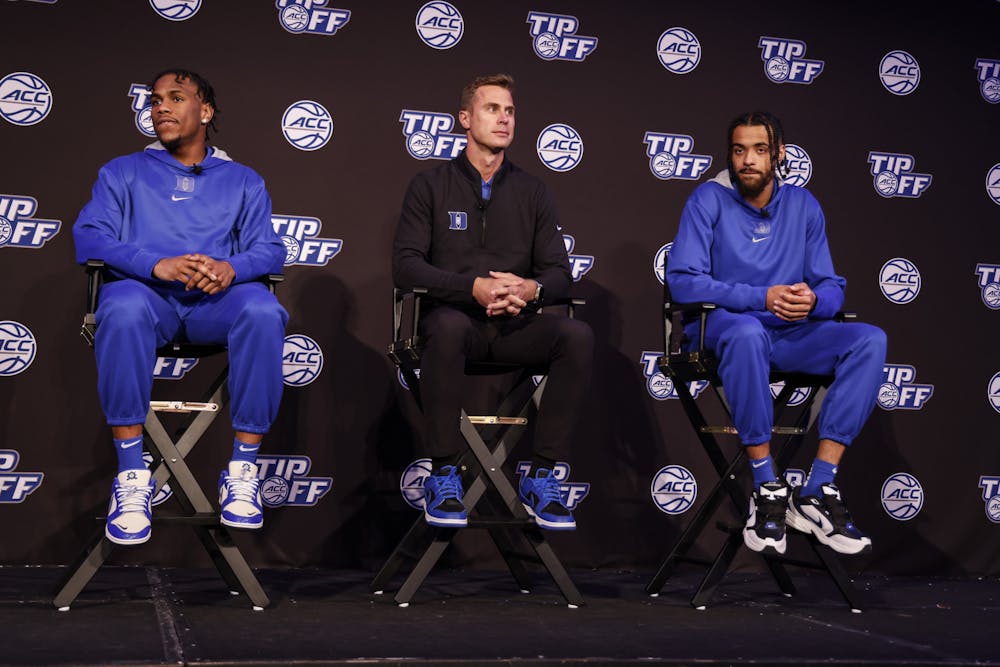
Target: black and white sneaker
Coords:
[[827, 518], [765, 528]]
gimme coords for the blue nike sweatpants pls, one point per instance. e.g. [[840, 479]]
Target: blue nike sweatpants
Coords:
[[133, 319], [748, 349]]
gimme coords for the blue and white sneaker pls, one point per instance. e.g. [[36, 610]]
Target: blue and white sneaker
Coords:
[[764, 531], [130, 513], [443, 499], [239, 496], [540, 495], [827, 518]]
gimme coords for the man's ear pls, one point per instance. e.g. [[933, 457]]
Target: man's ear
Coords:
[[463, 118]]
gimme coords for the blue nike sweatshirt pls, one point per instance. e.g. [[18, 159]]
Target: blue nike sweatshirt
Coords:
[[729, 253], [147, 206]]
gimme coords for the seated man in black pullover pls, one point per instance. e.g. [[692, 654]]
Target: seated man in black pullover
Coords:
[[482, 236]]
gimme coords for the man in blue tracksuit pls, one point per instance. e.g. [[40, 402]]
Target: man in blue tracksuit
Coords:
[[186, 235], [757, 248], [482, 236]]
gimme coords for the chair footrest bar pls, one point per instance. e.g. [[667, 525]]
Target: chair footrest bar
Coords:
[[182, 406], [731, 430], [196, 519], [499, 523], [494, 419]]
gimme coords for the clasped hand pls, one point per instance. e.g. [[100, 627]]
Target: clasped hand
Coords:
[[196, 271], [791, 302], [503, 293]]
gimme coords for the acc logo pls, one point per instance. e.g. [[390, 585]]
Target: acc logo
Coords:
[[990, 484], [176, 10], [670, 156], [988, 73], [139, 92], [659, 385], [798, 396], [297, 16], [902, 496], [428, 135], [899, 392], [307, 125], [578, 264], [402, 378], [559, 147], [989, 283], [782, 61], [660, 262], [993, 392], [301, 360], [800, 166], [298, 233], [17, 348], [18, 229], [440, 25], [993, 183], [893, 177], [16, 486], [899, 72], [24, 99], [678, 50], [571, 493], [899, 280], [554, 37], [411, 483], [283, 481], [173, 368], [674, 489]]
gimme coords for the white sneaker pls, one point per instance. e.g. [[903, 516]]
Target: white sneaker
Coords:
[[239, 496], [130, 513]]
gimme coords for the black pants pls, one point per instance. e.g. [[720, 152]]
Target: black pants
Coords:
[[563, 345]]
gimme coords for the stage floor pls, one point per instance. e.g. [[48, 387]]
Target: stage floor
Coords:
[[157, 616]]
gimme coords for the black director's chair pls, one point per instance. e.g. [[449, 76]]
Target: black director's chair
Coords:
[[701, 365], [169, 466], [490, 498]]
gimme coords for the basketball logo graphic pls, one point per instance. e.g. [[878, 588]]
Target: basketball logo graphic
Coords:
[[292, 249], [899, 72], [993, 183], [799, 165], [439, 25], [674, 489], [6, 231], [660, 262], [411, 483], [420, 145], [546, 45], [993, 392], [678, 50], [663, 164], [176, 10], [301, 360], [776, 69], [25, 99], [274, 491], [888, 395], [902, 496], [307, 125], [659, 386], [17, 348], [559, 147], [887, 183], [294, 18], [899, 280]]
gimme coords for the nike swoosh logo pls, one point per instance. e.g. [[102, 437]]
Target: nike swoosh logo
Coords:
[[176, 198], [247, 449], [126, 445], [762, 464], [758, 240]]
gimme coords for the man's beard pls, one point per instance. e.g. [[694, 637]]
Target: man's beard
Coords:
[[171, 145], [752, 190]]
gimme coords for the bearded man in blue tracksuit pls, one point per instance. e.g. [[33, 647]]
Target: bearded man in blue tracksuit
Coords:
[[483, 237], [757, 248], [186, 235]]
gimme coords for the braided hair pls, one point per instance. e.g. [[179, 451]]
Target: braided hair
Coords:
[[775, 138], [204, 88]]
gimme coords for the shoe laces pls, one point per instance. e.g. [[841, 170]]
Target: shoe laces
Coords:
[[547, 488], [131, 498], [240, 488], [771, 505], [449, 486], [834, 504]]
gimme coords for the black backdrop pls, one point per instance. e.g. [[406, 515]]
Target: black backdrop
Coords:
[[934, 466]]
